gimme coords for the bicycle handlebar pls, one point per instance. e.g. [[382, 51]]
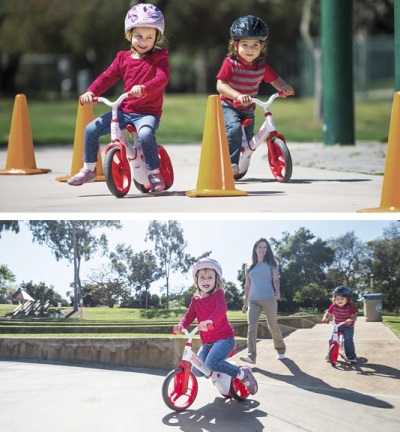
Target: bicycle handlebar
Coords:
[[97, 99], [335, 325], [274, 96], [210, 327]]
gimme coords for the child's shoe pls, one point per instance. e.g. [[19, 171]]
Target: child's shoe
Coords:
[[157, 182], [84, 175], [235, 169], [249, 381], [352, 360]]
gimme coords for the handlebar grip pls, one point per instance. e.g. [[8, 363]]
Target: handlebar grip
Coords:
[[145, 91], [236, 104], [282, 94], [210, 327]]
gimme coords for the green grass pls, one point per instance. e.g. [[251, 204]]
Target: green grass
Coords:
[[393, 322], [184, 116]]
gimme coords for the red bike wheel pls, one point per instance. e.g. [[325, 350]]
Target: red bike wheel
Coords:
[[279, 159], [173, 394], [166, 168], [117, 172], [238, 390], [333, 353]]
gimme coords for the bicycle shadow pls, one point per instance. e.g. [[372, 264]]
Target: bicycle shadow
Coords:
[[370, 369], [220, 415], [301, 379]]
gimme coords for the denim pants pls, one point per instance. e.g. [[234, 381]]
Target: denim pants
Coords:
[[233, 128], [214, 355], [146, 126], [349, 347], [270, 307]]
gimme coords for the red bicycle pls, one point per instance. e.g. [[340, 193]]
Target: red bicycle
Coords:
[[279, 158], [180, 386], [124, 162]]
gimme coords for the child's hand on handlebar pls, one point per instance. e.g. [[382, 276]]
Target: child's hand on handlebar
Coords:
[[206, 325], [87, 98], [138, 91], [177, 329], [286, 90], [243, 99]]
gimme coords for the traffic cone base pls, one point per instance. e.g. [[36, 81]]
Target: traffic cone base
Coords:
[[215, 178], [83, 118], [20, 152], [390, 198]]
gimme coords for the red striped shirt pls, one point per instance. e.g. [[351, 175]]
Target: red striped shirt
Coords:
[[244, 78], [341, 313]]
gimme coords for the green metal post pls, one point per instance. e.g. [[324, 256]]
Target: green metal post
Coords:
[[337, 71], [397, 45]]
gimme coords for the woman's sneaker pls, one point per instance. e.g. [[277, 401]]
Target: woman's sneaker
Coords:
[[157, 182], [85, 175], [247, 359], [248, 380]]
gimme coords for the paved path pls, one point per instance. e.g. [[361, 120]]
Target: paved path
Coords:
[[301, 393], [325, 180]]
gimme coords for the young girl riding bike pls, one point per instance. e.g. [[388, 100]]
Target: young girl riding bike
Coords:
[[240, 76], [145, 72], [342, 310], [208, 306]]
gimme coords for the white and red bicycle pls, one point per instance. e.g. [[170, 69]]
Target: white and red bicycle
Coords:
[[280, 161], [124, 162], [180, 386]]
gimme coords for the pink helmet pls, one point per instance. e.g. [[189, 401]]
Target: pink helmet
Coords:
[[207, 263], [145, 15]]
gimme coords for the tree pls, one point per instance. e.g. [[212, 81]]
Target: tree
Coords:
[[233, 298], [42, 292], [169, 247], [384, 266], [303, 259], [73, 240], [348, 267], [7, 278], [138, 270], [9, 225], [312, 296]]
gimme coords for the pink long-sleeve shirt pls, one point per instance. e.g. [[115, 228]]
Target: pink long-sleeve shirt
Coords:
[[212, 308], [151, 71]]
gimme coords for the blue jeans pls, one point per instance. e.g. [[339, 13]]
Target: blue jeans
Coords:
[[214, 354], [233, 128], [146, 126], [349, 347]]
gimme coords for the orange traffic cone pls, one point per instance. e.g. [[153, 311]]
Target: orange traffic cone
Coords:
[[20, 153], [215, 176], [83, 118], [390, 198]]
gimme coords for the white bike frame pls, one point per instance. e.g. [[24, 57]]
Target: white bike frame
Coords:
[[267, 128], [221, 380], [134, 152], [338, 337]]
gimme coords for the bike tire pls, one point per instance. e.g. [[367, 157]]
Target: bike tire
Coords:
[[238, 390], [117, 173], [166, 170], [173, 395], [333, 353], [280, 160]]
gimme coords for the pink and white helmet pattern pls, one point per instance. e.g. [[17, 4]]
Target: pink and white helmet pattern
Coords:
[[145, 15]]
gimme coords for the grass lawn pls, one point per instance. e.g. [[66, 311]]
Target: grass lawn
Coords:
[[183, 120]]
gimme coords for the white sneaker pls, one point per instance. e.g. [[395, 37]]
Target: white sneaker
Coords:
[[281, 357], [247, 359], [235, 169]]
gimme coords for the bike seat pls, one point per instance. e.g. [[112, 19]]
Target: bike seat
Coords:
[[130, 128], [232, 353], [246, 122]]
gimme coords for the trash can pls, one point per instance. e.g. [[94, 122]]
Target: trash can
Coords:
[[373, 307]]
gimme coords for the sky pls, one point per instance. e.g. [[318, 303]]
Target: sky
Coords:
[[230, 240]]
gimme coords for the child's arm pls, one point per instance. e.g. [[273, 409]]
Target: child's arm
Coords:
[[327, 317], [281, 85], [226, 90]]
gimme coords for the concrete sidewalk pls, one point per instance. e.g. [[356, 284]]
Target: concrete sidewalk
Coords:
[[324, 180], [301, 393]]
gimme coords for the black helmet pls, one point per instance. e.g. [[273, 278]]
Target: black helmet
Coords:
[[249, 27], [343, 291]]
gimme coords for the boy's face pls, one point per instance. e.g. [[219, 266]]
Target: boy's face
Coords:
[[143, 39], [249, 49], [206, 280], [340, 300]]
